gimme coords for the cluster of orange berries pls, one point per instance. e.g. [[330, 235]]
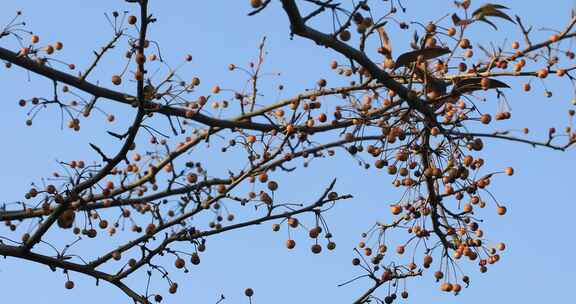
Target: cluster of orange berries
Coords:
[[49, 49], [313, 233]]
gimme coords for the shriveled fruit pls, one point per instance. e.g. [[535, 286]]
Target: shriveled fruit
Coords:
[[195, 258], [438, 275], [256, 3], [396, 209], [345, 35], [173, 288], [331, 246], [132, 19], [485, 118], [116, 79], [179, 263], [316, 248], [69, 284], [293, 222], [66, 220], [290, 244], [447, 287]]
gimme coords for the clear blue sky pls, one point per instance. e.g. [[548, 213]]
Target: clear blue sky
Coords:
[[537, 268]]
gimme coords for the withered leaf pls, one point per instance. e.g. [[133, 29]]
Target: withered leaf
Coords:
[[386, 45], [455, 19], [427, 53], [491, 10], [460, 22], [468, 85]]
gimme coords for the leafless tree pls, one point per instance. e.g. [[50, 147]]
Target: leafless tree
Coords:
[[416, 115]]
